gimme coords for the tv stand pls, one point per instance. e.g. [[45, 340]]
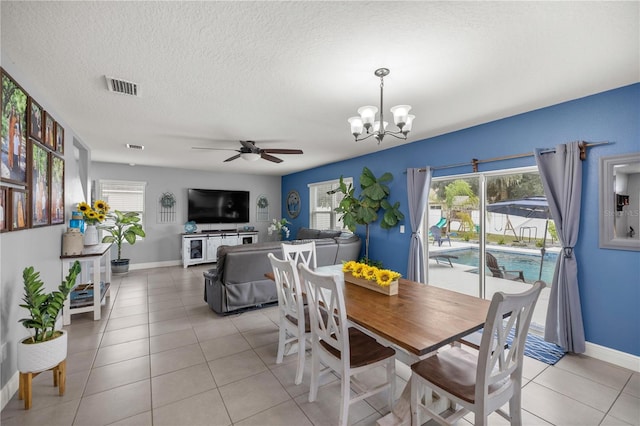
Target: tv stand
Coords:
[[202, 247]]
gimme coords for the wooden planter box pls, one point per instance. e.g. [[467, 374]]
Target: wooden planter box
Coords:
[[390, 290]]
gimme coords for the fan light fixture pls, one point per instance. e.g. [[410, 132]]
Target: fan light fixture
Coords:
[[250, 156], [367, 120]]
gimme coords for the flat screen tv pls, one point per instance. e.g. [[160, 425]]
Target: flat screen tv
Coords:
[[218, 206]]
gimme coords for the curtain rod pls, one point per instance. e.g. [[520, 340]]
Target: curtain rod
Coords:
[[474, 161]]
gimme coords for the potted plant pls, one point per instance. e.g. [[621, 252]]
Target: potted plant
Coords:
[[47, 347], [125, 227], [363, 209]]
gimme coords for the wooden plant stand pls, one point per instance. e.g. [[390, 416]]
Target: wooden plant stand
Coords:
[[59, 380]]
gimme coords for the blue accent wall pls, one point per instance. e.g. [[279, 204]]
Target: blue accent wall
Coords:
[[609, 280]]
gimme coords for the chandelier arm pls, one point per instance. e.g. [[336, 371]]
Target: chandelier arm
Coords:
[[366, 137], [397, 135]]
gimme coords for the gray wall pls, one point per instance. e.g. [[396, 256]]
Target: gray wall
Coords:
[[39, 247], [163, 242]]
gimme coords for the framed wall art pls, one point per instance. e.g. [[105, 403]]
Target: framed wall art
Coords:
[[49, 131], [4, 209], [35, 120], [39, 185], [59, 139], [57, 189], [293, 204], [13, 137], [262, 209], [19, 208]]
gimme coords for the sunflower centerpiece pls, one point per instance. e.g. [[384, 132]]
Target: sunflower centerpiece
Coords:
[[93, 215], [377, 279], [96, 214]]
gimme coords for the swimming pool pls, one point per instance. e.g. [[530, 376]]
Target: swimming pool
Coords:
[[512, 261]]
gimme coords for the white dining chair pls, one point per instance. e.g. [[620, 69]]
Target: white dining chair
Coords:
[[480, 383], [343, 349], [301, 253], [294, 318]]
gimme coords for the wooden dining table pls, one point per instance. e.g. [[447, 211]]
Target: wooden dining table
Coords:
[[418, 321]]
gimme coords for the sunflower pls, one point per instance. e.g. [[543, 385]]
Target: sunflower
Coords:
[[84, 207], [91, 215], [357, 270], [369, 273], [101, 217], [348, 266], [384, 277], [101, 206]]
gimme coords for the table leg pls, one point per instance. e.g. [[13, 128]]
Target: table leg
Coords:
[[97, 308], [27, 379], [62, 377]]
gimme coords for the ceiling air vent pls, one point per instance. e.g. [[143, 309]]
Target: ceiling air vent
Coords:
[[132, 146], [122, 86]]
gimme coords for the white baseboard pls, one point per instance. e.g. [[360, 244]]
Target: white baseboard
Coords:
[[622, 359], [137, 266], [9, 389]]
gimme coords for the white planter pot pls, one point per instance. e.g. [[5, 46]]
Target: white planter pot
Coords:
[[91, 235], [36, 357]]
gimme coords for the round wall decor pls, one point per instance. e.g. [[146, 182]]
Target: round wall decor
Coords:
[[293, 204]]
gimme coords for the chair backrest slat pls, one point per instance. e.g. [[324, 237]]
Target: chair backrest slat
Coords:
[[327, 311], [508, 313], [301, 253], [288, 287]]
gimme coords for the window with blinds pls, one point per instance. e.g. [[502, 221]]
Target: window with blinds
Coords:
[[126, 196], [322, 205]]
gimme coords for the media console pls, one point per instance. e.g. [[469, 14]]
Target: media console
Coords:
[[202, 247]]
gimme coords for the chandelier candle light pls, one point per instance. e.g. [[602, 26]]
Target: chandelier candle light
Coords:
[[367, 122]]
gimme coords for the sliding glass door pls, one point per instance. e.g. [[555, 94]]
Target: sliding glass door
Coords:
[[491, 232]]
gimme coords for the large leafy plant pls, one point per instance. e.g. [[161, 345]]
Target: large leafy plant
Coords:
[[44, 308], [363, 209], [125, 227]]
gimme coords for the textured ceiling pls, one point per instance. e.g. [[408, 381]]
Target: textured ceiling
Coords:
[[289, 74]]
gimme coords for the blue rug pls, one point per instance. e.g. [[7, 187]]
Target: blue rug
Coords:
[[535, 347]]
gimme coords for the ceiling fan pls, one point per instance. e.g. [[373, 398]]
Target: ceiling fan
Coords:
[[250, 152]]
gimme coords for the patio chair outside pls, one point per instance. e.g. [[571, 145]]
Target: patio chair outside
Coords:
[[500, 272], [437, 236]]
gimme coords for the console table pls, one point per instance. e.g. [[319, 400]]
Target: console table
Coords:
[[96, 269], [202, 247]]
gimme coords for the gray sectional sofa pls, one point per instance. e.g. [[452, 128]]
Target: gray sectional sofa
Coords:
[[238, 281]]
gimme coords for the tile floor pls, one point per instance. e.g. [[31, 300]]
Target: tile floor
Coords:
[[159, 356]]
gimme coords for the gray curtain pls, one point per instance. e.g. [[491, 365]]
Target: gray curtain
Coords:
[[418, 184], [561, 174]]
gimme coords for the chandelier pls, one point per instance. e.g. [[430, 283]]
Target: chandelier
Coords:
[[368, 124]]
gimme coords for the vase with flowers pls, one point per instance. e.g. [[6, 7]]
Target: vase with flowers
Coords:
[[377, 279], [280, 228], [93, 215]]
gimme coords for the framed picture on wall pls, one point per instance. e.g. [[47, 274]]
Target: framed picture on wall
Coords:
[[57, 189], [19, 208], [35, 120], [39, 185], [49, 131], [4, 209], [59, 138], [13, 133]]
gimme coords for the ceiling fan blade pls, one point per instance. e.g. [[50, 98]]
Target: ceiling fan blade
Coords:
[[271, 158], [232, 158], [213, 149], [282, 151]]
